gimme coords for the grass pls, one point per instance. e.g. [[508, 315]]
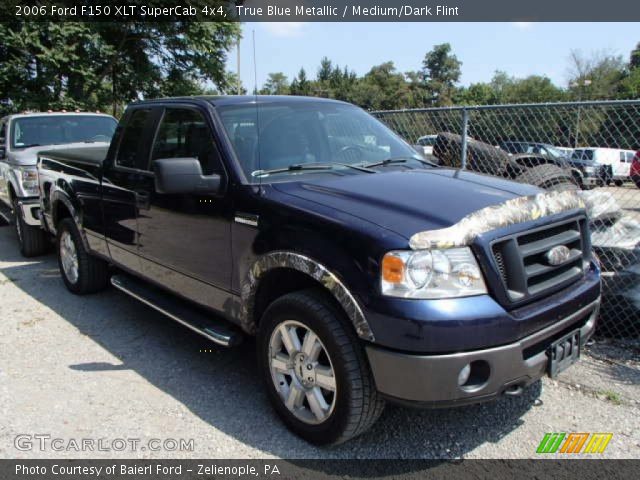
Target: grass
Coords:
[[610, 395]]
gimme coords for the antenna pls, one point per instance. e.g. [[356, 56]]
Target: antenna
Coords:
[[255, 67], [255, 93], [239, 82]]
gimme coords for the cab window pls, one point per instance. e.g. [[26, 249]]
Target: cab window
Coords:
[[184, 133], [131, 153]]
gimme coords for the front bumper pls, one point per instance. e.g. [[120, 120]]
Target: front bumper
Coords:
[[30, 209], [432, 380]]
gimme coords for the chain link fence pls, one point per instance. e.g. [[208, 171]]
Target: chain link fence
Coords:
[[586, 146]]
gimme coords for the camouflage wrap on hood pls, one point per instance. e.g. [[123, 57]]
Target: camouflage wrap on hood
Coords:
[[516, 210]]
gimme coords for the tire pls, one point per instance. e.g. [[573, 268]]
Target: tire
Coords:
[[32, 240], [354, 405], [549, 177], [618, 183], [92, 273], [481, 157], [579, 181]]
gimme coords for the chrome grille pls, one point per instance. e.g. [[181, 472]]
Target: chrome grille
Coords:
[[523, 264]]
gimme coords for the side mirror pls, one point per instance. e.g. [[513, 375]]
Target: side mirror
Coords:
[[184, 175]]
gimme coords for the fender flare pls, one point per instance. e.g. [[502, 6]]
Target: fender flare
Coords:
[[310, 267], [58, 195]]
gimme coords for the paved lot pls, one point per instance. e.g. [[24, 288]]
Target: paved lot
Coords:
[[105, 366]]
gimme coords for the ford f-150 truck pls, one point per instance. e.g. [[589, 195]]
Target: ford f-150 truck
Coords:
[[22, 136], [366, 273]]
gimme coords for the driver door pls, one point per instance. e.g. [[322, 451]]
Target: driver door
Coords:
[[185, 239]]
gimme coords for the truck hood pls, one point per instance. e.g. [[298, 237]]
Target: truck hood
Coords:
[[29, 156], [407, 202]]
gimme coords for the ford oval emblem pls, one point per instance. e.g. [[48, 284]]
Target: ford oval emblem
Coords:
[[558, 255]]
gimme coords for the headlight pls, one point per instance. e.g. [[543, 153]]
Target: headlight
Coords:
[[448, 273], [29, 180], [589, 169]]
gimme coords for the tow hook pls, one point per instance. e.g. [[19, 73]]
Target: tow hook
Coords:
[[514, 391]]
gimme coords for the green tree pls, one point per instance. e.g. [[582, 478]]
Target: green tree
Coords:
[[101, 65], [476, 94], [382, 88], [50, 65], [441, 72], [418, 94], [324, 72], [634, 61], [595, 77], [276, 84], [300, 85]]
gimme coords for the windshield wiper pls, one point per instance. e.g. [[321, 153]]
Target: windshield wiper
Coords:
[[311, 166], [29, 145], [391, 161]]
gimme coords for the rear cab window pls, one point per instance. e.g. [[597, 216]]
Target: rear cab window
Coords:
[[132, 151]]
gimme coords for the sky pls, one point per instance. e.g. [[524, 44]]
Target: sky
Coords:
[[518, 48]]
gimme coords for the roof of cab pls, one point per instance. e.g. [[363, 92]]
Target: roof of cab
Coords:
[[220, 100]]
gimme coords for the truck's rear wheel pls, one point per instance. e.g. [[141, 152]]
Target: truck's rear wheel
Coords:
[[32, 240], [82, 273], [315, 371]]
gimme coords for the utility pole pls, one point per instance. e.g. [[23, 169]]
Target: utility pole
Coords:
[[580, 84]]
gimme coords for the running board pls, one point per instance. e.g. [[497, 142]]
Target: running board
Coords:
[[216, 330]]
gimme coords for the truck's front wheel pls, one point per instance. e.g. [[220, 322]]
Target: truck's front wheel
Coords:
[[315, 371], [31, 239], [82, 273]]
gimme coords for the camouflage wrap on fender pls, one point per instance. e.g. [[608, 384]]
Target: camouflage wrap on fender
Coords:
[[516, 210], [315, 270]]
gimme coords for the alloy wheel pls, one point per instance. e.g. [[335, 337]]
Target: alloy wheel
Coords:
[[69, 257], [302, 372]]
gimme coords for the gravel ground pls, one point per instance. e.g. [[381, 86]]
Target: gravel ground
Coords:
[[107, 367]]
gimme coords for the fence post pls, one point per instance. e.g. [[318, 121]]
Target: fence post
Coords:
[[465, 126]]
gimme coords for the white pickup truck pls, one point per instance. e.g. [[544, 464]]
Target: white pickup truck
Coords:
[[22, 136], [619, 160]]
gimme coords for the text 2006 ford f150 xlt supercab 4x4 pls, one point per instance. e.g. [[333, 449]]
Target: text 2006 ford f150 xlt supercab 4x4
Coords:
[[366, 273]]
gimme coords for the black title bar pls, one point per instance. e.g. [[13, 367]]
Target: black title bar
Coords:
[[321, 10], [277, 469]]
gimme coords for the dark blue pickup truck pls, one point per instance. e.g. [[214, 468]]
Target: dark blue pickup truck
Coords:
[[366, 273]]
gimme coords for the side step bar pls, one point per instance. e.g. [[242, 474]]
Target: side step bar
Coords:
[[216, 330]]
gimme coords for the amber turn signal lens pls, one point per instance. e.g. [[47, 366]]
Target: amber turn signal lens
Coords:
[[392, 269]]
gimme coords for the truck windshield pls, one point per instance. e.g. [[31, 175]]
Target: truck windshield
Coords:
[[298, 133], [61, 129]]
